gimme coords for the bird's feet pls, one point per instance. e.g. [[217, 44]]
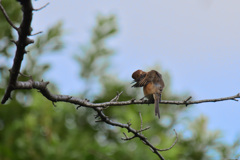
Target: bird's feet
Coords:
[[150, 101]]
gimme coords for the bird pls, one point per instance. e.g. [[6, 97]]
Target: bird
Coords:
[[152, 84]]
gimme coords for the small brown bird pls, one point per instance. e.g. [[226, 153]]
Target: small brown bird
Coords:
[[152, 84]]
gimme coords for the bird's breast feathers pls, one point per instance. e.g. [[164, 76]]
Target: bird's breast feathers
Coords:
[[152, 88]]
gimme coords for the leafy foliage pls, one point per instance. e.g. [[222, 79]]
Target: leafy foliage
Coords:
[[94, 60]]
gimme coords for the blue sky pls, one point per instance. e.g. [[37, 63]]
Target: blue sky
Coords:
[[196, 41]]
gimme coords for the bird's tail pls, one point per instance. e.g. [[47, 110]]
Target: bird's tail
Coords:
[[157, 99]]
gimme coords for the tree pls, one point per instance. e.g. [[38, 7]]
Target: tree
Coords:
[[41, 131]]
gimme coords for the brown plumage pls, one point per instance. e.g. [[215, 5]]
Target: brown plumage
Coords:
[[152, 84]]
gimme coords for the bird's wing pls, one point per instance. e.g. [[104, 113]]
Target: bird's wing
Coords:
[[158, 74], [144, 80], [159, 79]]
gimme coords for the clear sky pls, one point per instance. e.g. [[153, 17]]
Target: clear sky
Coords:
[[196, 41]]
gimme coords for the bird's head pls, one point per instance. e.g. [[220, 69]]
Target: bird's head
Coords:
[[138, 74]]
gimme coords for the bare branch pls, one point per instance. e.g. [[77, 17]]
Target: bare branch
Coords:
[[36, 33], [185, 101], [115, 99], [7, 18], [144, 129], [188, 99], [23, 32], [13, 41], [25, 75], [41, 7], [135, 133], [141, 122], [74, 100], [126, 137], [172, 144]]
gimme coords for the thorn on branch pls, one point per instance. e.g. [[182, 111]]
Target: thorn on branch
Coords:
[[41, 7]]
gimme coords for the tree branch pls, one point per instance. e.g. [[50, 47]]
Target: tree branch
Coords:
[[42, 87], [136, 133], [41, 7], [7, 18], [172, 144], [36, 33], [23, 32]]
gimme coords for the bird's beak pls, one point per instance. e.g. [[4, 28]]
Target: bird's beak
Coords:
[[133, 82]]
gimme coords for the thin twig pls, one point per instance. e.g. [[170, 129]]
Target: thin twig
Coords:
[[144, 129], [13, 41], [41, 7], [141, 122], [187, 99], [24, 75], [127, 126], [115, 99], [36, 33], [172, 144], [7, 18], [126, 137]]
